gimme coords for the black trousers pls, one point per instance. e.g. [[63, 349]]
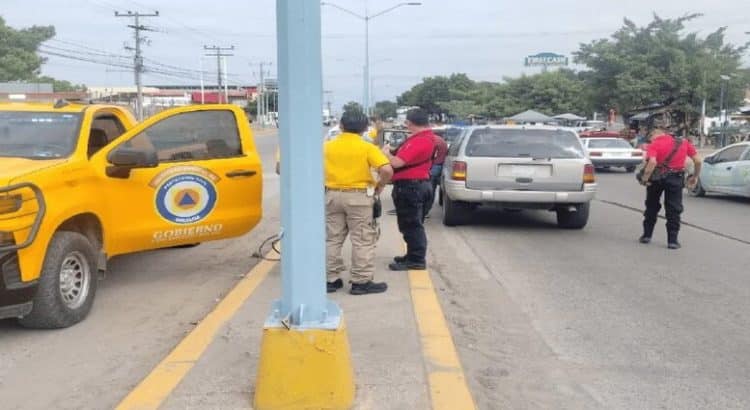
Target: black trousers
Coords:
[[671, 187], [412, 199]]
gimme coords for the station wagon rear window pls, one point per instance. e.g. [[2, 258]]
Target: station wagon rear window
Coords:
[[523, 143], [38, 135]]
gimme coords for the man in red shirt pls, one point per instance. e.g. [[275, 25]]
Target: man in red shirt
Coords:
[[671, 184], [412, 190]]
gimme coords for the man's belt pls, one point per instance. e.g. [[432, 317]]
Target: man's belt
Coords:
[[363, 190], [410, 181]]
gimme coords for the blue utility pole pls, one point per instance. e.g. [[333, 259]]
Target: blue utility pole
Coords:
[[305, 360]]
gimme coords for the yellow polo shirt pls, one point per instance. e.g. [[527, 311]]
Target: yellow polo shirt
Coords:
[[349, 161]]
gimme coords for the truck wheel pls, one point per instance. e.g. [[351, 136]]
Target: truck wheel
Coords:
[[577, 219], [67, 285], [454, 213], [630, 169]]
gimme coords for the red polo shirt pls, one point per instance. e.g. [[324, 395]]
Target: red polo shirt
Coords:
[[441, 150], [662, 145], [416, 152]]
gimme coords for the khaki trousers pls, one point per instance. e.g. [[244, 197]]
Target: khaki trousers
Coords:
[[350, 213]]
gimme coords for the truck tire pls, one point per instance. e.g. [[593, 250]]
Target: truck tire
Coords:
[[577, 219], [67, 285], [454, 212]]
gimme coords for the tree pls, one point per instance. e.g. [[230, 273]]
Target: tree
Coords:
[[353, 106], [385, 109], [18, 58], [61, 85], [638, 66]]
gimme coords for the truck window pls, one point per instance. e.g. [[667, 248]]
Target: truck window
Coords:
[[191, 136]]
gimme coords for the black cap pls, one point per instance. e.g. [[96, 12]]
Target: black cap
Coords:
[[418, 117], [354, 121]]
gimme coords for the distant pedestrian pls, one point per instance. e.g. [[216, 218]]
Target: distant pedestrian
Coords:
[[412, 190], [350, 197], [665, 173]]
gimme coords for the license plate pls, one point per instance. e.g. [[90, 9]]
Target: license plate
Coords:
[[524, 170], [614, 154]]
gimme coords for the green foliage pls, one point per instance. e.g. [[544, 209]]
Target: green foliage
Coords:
[[460, 97], [61, 85], [385, 109], [18, 58], [637, 66], [642, 65], [353, 106]]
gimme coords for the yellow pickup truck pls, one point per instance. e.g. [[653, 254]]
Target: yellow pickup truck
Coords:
[[80, 184]]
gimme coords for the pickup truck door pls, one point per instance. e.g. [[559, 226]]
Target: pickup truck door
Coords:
[[202, 182]]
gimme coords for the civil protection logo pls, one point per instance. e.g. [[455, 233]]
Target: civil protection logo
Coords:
[[185, 198]]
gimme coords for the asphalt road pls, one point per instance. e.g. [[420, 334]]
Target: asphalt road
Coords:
[[542, 318], [144, 306], [546, 318]]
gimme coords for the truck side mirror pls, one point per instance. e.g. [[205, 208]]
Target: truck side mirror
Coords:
[[124, 160]]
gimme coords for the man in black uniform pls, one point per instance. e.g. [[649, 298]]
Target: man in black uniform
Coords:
[[666, 156], [412, 190]]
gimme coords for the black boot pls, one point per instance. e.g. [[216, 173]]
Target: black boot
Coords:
[[672, 242], [334, 286], [368, 287]]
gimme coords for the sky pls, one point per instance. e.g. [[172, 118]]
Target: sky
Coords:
[[486, 39]]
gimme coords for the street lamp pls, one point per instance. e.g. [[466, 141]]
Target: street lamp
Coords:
[[366, 18], [722, 109]]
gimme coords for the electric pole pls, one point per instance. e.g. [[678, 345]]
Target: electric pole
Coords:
[[260, 99], [218, 52], [138, 57]]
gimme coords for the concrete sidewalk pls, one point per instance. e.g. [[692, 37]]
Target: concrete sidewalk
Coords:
[[387, 354]]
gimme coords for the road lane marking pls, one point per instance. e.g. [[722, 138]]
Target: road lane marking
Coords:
[[157, 386], [448, 387], [684, 223]]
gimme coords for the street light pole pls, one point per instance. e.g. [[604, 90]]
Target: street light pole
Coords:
[[366, 18], [304, 357], [722, 110]]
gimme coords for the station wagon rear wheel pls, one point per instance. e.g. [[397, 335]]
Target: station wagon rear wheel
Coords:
[[573, 219], [454, 212], [67, 285]]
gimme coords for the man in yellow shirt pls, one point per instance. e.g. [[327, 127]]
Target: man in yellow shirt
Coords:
[[350, 195]]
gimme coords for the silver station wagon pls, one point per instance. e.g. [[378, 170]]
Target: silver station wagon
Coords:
[[518, 167]]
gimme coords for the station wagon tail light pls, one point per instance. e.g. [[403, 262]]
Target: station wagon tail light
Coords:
[[458, 173], [588, 174], [637, 153], [595, 154], [10, 203]]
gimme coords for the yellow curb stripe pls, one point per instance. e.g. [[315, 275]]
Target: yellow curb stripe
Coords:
[[448, 388], [158, 385]]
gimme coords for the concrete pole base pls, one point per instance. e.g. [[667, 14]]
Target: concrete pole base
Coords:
[[304, 369]]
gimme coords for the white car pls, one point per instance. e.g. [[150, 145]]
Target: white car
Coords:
[[726, 171], [612, 152]]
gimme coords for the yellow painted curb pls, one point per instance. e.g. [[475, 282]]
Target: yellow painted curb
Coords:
[[157, 386], [448, 388], [304, 369]]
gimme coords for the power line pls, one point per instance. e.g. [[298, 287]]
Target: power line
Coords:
[[137, 57]]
